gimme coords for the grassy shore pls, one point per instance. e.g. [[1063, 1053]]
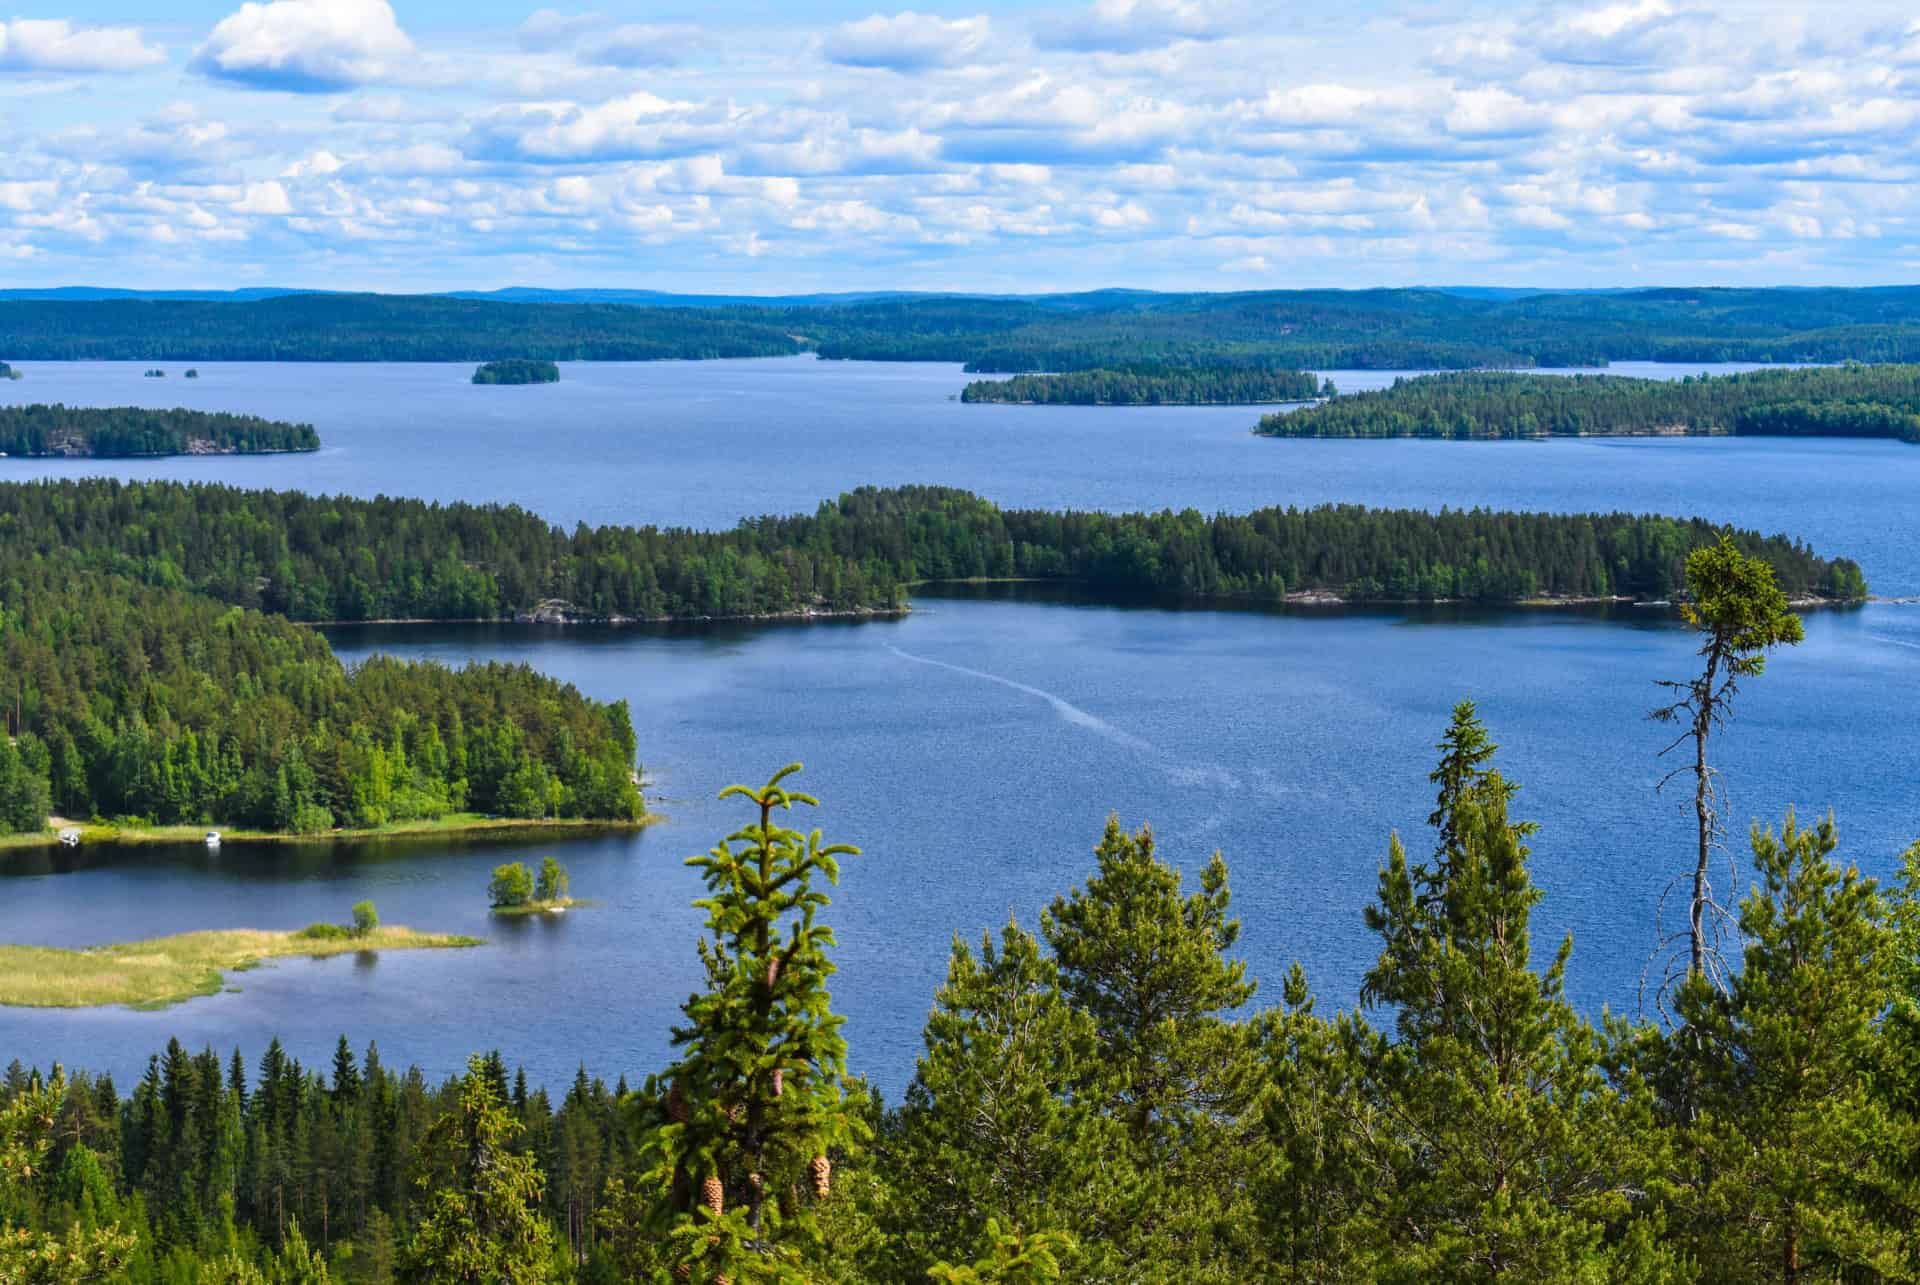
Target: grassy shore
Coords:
[[169, 970], [554, 906], [452, 824]]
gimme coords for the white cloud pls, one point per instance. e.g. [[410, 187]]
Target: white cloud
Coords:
[[264, 198], [906, 41], [306, 46], [635, 127], [1129, 26], [56, 45]]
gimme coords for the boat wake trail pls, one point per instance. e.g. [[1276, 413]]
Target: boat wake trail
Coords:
[[1898, 642], [1070, 712]]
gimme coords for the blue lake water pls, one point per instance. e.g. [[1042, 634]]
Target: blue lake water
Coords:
[[975, 748]]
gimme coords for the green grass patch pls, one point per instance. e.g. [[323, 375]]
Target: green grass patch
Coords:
[[170, 970]]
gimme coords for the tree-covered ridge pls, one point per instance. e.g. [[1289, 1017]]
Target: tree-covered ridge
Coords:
[[335, 558], [517, 370], [1150, 386], [376, 328], [153, 703], [1838, 401], [120, 431], [1294, 329]]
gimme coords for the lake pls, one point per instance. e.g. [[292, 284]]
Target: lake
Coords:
[[975, 748]]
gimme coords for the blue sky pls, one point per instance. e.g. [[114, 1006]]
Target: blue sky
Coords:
[[825, 144]]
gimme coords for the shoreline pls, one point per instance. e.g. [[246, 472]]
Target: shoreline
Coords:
[[110, 835]]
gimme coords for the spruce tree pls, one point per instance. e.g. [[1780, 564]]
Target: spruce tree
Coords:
[[754, 1108], [481, 1222]]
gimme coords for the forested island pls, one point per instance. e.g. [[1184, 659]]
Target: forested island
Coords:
[[151, 702], [517, 371], [1098, 330], [1836, 401], [1153, 386], [340, 559], [8, 372], [132, 431]]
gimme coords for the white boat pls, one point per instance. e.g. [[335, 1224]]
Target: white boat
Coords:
[[70, 837], [213, 838]]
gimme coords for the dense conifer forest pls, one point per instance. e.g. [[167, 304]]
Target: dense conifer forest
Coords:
[[120, 431], [1149, 386], [1842, 401], [131, 701], [517, 371], [340, 559], [1105, 1095], [1296, 329]]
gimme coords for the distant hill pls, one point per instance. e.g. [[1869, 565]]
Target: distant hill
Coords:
[[1450, 328]]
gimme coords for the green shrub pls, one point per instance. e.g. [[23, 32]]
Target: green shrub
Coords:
[[324, 932], [365, 919], [512, 885]]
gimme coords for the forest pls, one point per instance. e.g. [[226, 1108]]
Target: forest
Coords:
[[1110, 329], [373, 328], [1102, 1095], [517, 370], [128, 701], [339, 559], [1832, 401], [122, 431], [1153, 386]]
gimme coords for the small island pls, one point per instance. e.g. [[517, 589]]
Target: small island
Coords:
[[513, 890], [8, 372], [156, 374], [170, 970], [1153, 386], [1826, 401], [124, 432], [517, 371]]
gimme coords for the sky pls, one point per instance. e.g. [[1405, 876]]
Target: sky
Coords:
[[745, 146]]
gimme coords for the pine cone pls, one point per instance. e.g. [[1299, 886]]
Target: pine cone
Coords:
[[676, 1104], [773, 972], [736, 1113], [682, 1272], [821, 1170], [723, 1280], [779, 1081], [714, 1196], [753, 1180]]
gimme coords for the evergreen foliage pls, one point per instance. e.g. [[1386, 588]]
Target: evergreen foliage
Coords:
[[168, 707], [121, 431], [511, 886], [1153, 386], [1843, 401], [517, 370], [335, 558]]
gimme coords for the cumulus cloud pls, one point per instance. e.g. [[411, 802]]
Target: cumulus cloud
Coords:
[[306, 46], [1129, 26], [634, 127], [906, 41], [589, 38], [56, 45]]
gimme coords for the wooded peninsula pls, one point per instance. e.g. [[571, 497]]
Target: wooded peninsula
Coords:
[[1107, 329], [517, 371], [131, 431], [1836, 401], [1153, 386], [335, 558]]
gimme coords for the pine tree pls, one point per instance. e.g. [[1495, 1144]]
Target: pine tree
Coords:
[[82, 1255], [755, 1104], [1740, 614], [1506, 1155], [994, 1131], [1792, 1142]]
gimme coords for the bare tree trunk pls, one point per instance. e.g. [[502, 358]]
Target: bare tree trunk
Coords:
[[1703, 813]]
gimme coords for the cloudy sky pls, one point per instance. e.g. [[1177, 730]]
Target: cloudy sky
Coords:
[[753, 146]]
